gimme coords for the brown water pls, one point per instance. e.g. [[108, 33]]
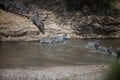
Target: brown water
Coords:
[[73, 52]]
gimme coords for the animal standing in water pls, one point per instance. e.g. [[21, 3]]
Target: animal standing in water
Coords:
[[106, 49], [94, 44], [102, 49], [53, 40], [118, 52]]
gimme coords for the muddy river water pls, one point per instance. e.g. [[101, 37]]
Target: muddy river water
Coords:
[[33, 54]]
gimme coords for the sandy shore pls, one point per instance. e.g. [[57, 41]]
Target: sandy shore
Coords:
[[83, 72]]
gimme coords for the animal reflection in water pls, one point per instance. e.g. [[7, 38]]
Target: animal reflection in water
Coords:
[[53, 40], [95, 46]]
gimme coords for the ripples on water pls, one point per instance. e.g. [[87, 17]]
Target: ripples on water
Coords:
[[73, 52]]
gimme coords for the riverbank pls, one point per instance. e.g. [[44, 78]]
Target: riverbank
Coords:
[[14, 27], [83, 72]]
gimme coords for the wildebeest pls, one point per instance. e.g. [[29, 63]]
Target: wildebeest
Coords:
[[22, 8], [10, 5], [57, 39], [108, 50], [118, 52], [6, 5], [37, 22], [94, 44]]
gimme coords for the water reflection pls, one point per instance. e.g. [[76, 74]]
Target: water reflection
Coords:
[[72, 52]]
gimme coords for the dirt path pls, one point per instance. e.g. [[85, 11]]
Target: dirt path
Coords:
[[84, 72]]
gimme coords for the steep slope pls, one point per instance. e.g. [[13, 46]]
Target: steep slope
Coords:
[[58, 20]]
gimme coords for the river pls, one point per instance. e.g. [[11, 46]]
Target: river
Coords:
[[33, 54]]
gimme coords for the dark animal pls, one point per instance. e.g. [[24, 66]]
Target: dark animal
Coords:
[[60, 38], [118, 53], [97, 44], [106, 49], [37, 22], [9, 5], [6, 5], [22, 8], [57, 39]]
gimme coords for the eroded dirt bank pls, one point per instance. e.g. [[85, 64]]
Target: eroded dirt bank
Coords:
[[57, 21], [84, 72], [18, 28]]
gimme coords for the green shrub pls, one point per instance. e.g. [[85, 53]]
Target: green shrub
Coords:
[[113, 71]]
